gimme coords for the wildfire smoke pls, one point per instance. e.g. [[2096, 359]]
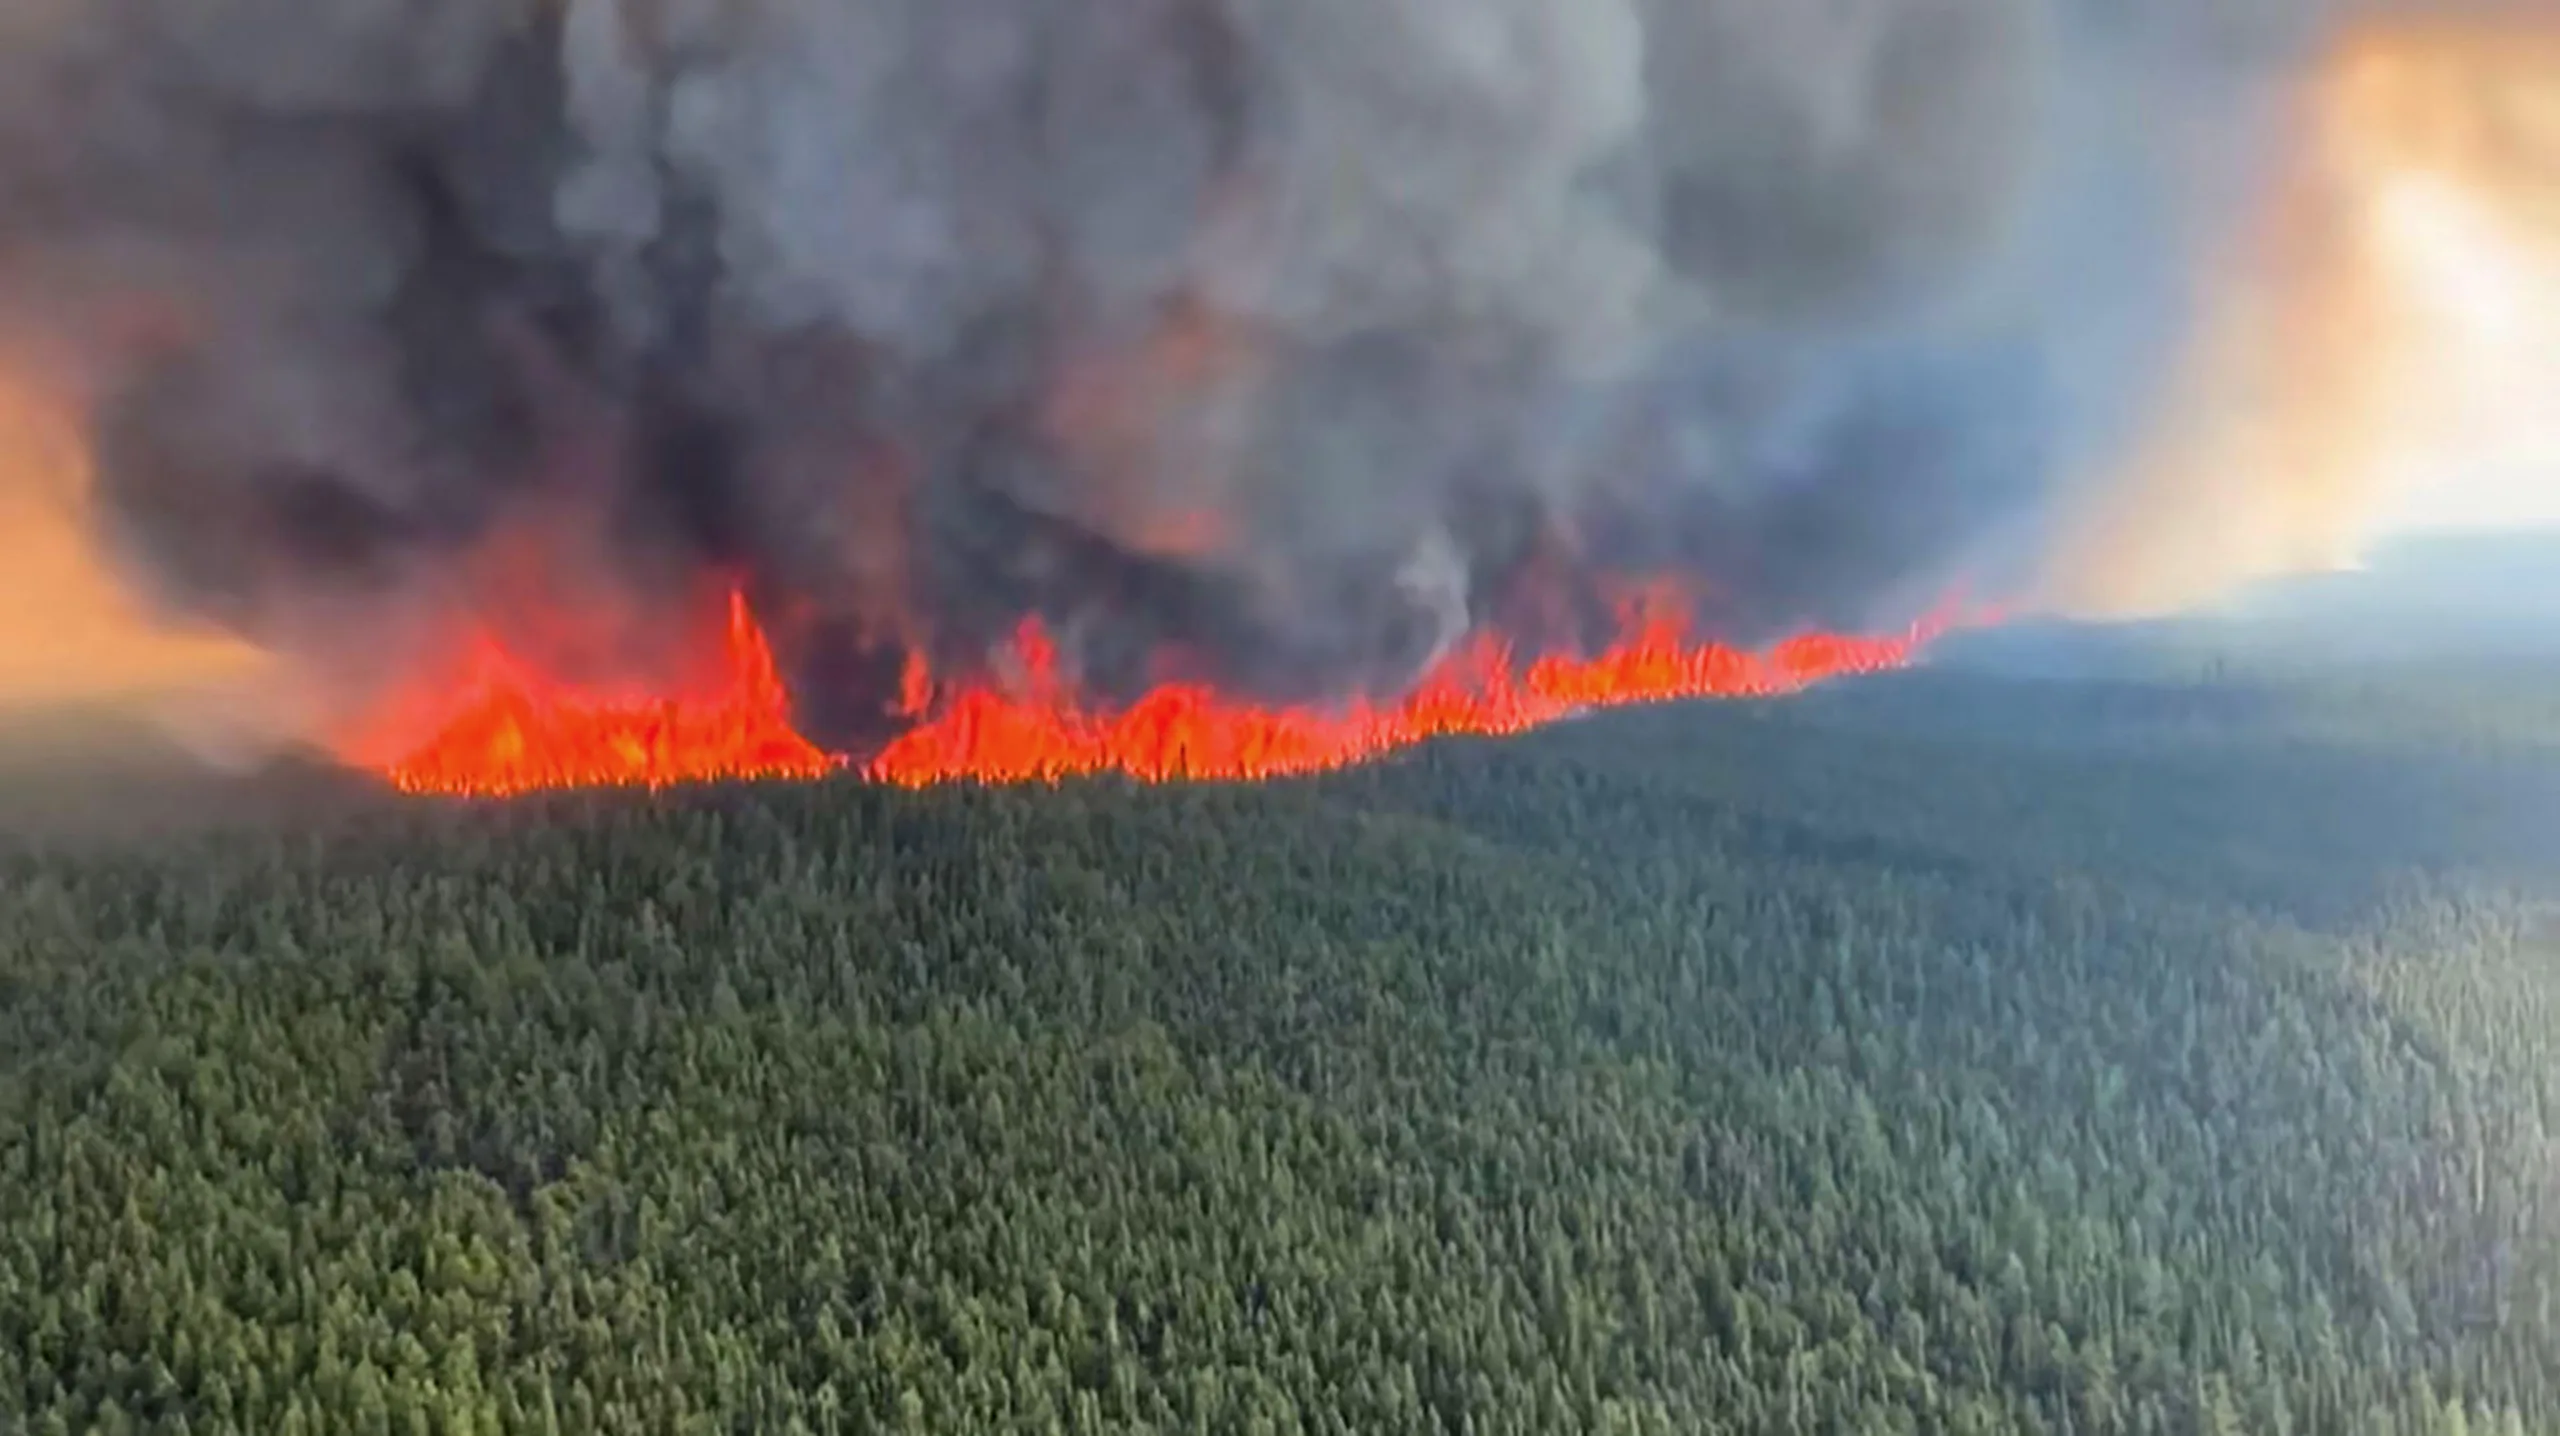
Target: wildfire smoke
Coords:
[[2380, 344], [70, 630], [1186, 386]]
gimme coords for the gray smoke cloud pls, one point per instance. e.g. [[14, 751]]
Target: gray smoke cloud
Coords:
[[1297, 336]]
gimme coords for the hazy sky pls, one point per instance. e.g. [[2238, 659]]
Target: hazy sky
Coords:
[[2488, 454], [2473, 236], [2523, 498]]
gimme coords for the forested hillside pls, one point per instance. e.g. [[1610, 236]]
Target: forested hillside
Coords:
[[1943, 1053]]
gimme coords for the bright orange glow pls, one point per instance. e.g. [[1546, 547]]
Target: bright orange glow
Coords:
[[2454, 134], [71, 631], [2379, 353], [516, 730], [1188, 732], [1151, 428]]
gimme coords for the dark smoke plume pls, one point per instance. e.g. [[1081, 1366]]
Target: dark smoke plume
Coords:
[[1291, 336]]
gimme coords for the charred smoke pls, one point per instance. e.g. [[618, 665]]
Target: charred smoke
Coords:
[[1271, 341]]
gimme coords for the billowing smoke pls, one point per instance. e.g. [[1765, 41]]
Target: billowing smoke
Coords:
[[1289, 337], [69, 631], [2380, 337]]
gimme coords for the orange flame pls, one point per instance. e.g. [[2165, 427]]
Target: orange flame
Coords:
[[517, 731], [1188, 732]]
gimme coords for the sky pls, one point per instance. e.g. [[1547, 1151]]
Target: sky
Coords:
[[2495, 501], [2480, 257], [2376, 357]]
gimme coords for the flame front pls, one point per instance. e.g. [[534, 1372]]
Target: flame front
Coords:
[[1189, 732], [513, 730]]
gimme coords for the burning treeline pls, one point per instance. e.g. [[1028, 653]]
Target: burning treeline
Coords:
[[1285, 378]]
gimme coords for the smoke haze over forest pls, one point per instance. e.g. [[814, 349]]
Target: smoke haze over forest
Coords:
[[1291, 338]]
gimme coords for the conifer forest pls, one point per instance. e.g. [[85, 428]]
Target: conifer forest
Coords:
[[1963, 1051]]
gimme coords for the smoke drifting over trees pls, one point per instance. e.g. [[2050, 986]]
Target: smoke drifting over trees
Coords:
[[2378, 346], [1294, 336]]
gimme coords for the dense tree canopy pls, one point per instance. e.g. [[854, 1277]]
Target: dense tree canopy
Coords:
[[1942, 1054]]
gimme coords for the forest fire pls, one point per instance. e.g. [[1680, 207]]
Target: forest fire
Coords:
[[1326, 356], [516, 730], [1180, 732]]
